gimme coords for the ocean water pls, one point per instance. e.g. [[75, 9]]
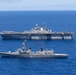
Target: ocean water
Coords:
[[25, 20]]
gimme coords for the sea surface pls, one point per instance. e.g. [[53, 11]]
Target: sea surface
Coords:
[[25, 20]]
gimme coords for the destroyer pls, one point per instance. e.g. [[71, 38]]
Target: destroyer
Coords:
[[22, 52], [37, 33]]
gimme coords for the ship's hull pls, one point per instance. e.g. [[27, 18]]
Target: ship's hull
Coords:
[[38, 36], [33, 55]]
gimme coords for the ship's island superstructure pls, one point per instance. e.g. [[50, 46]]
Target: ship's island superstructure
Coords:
[[37, 33]]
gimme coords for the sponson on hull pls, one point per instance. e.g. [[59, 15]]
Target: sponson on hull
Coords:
[[37, 33], [23, 53]]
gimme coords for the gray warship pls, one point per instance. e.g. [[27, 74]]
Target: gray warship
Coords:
[[37, 33], [23, 53]]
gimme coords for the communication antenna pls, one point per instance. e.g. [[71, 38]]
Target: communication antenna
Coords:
[[44, 25], [25, 44]]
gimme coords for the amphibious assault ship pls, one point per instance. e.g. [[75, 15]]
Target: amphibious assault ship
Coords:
[[24, 53], [37, 33]]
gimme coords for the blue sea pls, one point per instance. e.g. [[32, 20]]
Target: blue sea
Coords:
[[25, 20]]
